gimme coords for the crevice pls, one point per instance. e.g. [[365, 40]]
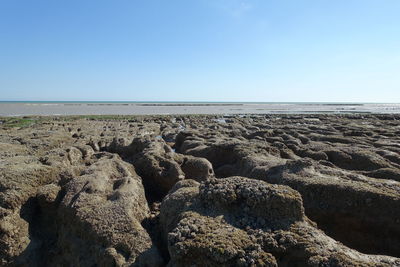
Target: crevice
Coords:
[[360, 235], [352, 218], [42, 234], [152, 225]]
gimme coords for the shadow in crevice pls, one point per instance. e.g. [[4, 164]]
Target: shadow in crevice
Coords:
[[153, 228], [366, 236], [42, 232]]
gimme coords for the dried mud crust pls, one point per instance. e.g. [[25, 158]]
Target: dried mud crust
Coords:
[[298, 190]]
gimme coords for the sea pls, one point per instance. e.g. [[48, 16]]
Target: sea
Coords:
[[60, 108]]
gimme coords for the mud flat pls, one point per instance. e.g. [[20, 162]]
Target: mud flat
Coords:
[[165, 108], [248, 190]]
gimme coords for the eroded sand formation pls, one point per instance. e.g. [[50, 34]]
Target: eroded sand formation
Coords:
[[298, 190]]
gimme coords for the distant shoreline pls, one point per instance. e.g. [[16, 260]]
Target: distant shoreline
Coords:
[[66, 108], [190, 102]]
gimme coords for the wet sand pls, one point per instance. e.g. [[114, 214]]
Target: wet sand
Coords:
[[165, 108]]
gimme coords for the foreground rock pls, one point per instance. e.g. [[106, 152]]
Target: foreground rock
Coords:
[[241, 222], [315, 190], [100, 215]]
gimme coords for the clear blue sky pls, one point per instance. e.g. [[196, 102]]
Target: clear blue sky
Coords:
[[200, 50]]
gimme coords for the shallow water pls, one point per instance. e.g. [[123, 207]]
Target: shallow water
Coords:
[[164, 108]]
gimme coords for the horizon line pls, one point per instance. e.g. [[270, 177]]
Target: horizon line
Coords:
[[188, 101]]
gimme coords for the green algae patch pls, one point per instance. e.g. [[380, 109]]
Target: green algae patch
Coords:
[[18, 122]]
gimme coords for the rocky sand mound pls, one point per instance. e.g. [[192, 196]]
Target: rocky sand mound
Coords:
[[298, 190]]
